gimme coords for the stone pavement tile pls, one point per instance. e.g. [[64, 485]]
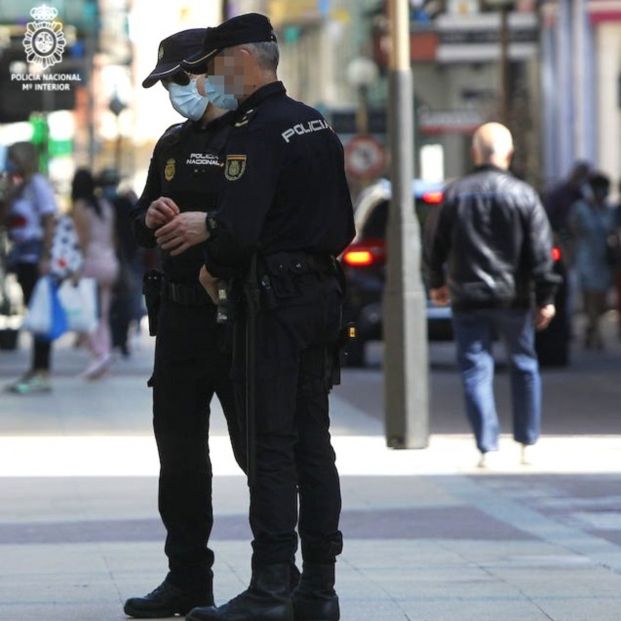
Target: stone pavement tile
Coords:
[[562, 581], [361, 492], [63, 610], [511, 553], [396, 553], [587, 609], [430, 582], [473, 609]]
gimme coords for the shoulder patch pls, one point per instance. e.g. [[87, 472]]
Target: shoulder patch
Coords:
[[171, 136], [170, 169], [245, 119], [235, 167]]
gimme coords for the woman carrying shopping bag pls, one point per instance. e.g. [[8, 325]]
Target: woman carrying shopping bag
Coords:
[[94, 221], [31, 208]]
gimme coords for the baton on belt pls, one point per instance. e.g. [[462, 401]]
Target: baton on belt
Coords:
[[251, 294]]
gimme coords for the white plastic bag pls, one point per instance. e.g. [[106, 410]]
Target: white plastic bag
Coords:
[[46, 317], [38, 317], [80, 304]]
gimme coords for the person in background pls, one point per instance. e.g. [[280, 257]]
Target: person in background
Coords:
[[592, 223], [30, 212], [94, 222], [491, 257], [558, 202], [617, 235], [127, 294]]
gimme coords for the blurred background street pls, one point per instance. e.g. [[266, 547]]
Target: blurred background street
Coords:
[[429, 535]]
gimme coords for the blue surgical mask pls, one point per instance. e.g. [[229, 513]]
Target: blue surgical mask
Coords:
[[187, 101], [214, 90]]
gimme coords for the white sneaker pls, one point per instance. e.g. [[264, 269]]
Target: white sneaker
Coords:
[[97, 368], [488, 460], [526, 454], [31, 383]]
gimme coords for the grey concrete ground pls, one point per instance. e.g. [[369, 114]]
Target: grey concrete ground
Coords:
[[429, 537]]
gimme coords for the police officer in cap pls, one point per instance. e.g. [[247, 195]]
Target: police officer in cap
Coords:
[[285, 209], [183, 182]]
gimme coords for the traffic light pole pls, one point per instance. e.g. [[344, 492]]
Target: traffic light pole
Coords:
[[405, 326]]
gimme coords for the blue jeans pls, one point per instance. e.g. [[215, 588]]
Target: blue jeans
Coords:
[[474, 332]]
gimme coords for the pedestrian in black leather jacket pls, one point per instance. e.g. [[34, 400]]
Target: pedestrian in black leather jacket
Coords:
[[494, 237], [490, 255]]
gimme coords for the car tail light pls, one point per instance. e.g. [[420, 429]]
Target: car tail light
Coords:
[[556, 254], [365, 254], [433, 198], [357, 258]]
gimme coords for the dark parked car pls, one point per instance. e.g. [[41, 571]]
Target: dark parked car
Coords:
[[364, 264]]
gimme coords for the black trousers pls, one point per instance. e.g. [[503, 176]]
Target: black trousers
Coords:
[[294, 349], [189, 369], [27, 276]]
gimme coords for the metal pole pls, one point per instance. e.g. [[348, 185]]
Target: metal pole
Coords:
[[91, 46], [505, 86], [405, 326], [362, 114], [564, 91]]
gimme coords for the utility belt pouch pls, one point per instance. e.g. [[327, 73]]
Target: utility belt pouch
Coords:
[[281, 271], [152, 283], [346, 334]]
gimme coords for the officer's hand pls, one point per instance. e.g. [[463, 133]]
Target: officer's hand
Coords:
[[440, 296], [184, 231], [160, 212], [544, 316], [210, 283]]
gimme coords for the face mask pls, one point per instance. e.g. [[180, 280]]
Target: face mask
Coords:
[[214, 90], [187, 101]]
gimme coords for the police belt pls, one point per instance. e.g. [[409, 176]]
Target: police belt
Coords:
[[185, 294], [297, 263]]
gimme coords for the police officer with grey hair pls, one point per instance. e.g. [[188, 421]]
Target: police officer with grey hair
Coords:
[[184, 178], [282, 217]]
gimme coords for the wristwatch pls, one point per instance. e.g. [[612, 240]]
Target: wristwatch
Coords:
[[211, 223]]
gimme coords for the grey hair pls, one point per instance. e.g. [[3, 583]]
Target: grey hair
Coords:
[[266, 53]]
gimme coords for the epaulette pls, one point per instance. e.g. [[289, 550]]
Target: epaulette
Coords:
[[172, 134], [246, 118]]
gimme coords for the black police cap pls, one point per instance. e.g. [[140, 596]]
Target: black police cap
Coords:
[[247, 28], [172, 51]]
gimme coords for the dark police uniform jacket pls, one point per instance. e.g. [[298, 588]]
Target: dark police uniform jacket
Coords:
[[187, 166], [285, 188]]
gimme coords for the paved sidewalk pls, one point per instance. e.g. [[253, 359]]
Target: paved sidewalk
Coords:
[[428, 536]]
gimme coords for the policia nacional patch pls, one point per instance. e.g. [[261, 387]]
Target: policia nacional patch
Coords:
[[235, 167], [169, 170]]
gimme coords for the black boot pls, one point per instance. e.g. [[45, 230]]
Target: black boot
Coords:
[[168, 600], [294, 577], [315, 598], [267, 598]]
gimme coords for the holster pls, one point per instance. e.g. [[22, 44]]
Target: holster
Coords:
[[152, 284], [336, 357]]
